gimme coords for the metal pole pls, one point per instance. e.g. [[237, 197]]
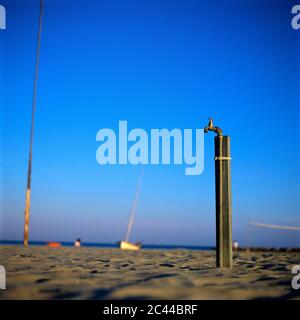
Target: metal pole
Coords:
[[223, 197], [28, 189], [223, 202]]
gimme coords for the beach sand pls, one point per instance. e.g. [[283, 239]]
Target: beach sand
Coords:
[[39, 272]]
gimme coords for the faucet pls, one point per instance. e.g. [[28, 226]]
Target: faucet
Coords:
[[210, 127]]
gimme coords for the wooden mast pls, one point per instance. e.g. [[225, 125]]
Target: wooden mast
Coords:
[[28, 189]]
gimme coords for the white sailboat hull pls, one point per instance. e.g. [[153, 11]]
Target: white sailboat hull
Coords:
[[124, 245]]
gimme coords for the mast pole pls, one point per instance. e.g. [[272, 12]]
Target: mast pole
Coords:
[[134, 206], [28, 189]]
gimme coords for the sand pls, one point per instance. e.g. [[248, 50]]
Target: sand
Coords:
[[93, 273]]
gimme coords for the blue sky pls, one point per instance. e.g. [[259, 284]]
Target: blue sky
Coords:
[[156, 64]]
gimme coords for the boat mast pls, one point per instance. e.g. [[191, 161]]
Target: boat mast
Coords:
[[28, 189], [134, 205]]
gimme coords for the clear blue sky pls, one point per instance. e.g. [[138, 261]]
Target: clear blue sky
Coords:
[[156, 64]]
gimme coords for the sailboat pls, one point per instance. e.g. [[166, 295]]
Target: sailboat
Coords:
[[125, 244]]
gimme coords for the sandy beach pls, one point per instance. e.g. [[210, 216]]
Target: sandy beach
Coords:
[[39, 272]]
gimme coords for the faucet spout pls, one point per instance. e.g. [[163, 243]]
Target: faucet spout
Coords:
[[210, 127]]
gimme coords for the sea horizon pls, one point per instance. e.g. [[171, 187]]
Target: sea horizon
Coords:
[[110, 245]]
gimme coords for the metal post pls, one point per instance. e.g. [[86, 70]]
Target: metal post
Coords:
[[223, 197], [223, 202]]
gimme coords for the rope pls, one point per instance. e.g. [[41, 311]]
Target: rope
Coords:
[[273, 226]]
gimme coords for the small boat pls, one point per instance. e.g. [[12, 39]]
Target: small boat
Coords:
[[54, 244], [125, 244]]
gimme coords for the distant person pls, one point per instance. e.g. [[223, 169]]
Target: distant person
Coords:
[[235, 245], [77, 243]]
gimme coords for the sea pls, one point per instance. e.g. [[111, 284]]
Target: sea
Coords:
[[111, 245]]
